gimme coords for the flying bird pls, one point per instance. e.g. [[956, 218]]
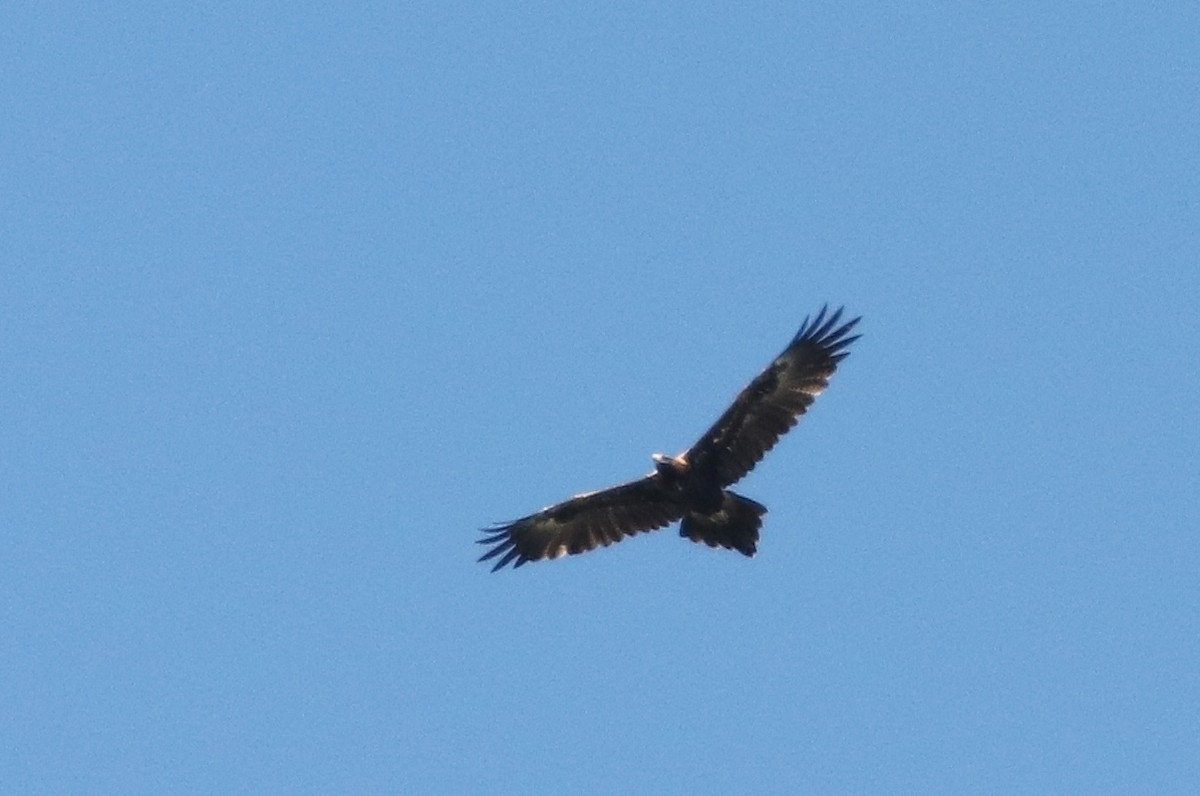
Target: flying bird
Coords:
[[693, 486]]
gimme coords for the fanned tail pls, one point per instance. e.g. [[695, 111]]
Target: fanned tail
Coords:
[[734, 526]]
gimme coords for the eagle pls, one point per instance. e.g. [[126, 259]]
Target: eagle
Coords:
[[692, 487]]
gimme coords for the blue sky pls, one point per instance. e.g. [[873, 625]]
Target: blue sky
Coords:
[[294, 301]]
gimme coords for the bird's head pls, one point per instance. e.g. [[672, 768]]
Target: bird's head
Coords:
[[669, 466]]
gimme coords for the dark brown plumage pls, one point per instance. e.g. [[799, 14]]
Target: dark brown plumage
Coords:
[[692, 486]]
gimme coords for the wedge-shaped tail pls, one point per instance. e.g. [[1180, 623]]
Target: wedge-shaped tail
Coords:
[[734, 527]]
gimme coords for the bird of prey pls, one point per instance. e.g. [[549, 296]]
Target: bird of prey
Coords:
[[693, 486]]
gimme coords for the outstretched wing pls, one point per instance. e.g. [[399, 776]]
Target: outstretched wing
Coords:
[[773, 403], [585, 522]]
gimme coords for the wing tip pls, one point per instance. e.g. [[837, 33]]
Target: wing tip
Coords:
[[824, 331], [500, 536]]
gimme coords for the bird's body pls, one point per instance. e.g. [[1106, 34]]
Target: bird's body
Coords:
[[693, 486]]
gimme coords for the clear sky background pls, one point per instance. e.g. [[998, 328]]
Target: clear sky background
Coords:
[[294, 302]]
